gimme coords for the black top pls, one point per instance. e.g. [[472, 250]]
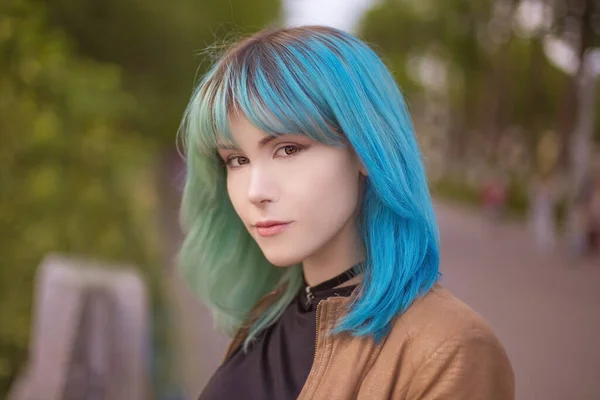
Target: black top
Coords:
[[278, 361]]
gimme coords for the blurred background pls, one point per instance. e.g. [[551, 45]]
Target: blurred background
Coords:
[[505, 99]]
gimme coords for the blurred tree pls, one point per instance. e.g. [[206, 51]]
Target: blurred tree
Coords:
[[446, 33], [497, 75], [156, 43], [64, 186], [161, 48], [89, 120], [577, 22]]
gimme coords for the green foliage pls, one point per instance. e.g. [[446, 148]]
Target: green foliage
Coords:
[[159, 46], [517, 197], [446, 29], [64, 185], [456, 190], [90, 92], [497, 78]]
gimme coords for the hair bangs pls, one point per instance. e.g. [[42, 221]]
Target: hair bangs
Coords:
[[269, 87], [272, 87]]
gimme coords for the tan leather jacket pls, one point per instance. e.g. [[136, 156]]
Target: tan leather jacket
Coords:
[[438, 349]]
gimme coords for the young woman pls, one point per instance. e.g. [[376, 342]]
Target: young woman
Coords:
[[311, 235]]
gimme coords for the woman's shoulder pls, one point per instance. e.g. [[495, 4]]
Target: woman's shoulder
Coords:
[[439, 317], [440, 313], [449, 348]]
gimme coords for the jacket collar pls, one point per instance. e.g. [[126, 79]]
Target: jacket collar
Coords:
[[336, 308]]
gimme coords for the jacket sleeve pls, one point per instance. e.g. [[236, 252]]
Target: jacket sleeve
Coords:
[[471, 364]]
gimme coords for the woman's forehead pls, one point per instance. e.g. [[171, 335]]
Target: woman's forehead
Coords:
[[241, 128]]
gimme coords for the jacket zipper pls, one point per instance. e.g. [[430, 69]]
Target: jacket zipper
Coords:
[[317, 325]]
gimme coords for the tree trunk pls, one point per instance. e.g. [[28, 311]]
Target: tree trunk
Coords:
[[580, 153], [582, 137]]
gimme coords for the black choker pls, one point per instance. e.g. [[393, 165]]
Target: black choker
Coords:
[[330, 283]]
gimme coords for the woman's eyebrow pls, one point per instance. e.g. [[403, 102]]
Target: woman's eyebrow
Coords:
[[226, 146], [262, 143], [266, 140]]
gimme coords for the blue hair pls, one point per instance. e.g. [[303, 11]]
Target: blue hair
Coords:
[[330, 86]]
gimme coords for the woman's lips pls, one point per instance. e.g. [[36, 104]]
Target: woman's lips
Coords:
[[270, 228]]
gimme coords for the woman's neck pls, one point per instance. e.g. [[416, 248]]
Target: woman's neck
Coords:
[[337, 256]]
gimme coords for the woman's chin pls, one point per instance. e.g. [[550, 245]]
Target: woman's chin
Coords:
[[282, 260]]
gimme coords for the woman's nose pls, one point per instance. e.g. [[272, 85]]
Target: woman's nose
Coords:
[[262, 188]]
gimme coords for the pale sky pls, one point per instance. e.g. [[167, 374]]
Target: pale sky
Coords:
[[342, 14]]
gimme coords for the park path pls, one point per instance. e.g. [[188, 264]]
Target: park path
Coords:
[[544, 308]]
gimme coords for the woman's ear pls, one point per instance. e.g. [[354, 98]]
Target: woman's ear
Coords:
[[362, 169]]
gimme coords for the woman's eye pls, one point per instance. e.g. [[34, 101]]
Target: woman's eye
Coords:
[[288, 150], [237, 161]]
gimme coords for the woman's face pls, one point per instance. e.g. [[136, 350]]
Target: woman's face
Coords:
[[297, 197]]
